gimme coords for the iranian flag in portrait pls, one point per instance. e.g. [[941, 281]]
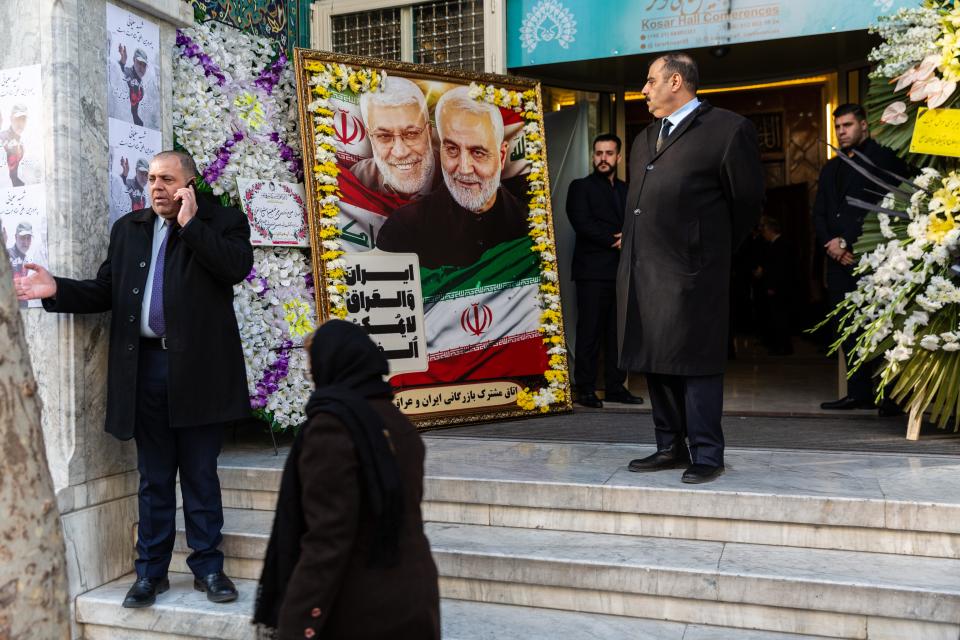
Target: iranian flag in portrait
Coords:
[[480, 319]]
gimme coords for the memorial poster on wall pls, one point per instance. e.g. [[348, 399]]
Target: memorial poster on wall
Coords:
[[23, 216], [432, 168], [133, 106]]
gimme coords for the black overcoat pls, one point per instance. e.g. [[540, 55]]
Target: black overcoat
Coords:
[[208, 380], [687, 207], [834, 217], [595, 210]]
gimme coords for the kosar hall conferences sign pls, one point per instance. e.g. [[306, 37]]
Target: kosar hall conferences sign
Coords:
[[549, 31], [431, 228]]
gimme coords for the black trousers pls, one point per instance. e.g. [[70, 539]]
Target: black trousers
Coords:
[[860, 385], [691, 407], [161, 452], [596, 327]]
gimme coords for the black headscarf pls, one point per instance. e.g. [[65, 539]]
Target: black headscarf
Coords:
[[347, 369]]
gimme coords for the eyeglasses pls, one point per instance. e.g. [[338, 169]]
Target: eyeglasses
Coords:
[[409, 136]]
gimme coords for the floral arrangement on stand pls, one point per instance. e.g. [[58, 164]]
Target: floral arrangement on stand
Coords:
[[905, 311], [328, 77], [906, 307], [275, 312], [920, 56], [235, 113]]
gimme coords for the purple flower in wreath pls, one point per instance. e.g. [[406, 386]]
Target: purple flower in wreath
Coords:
[[252, 114]]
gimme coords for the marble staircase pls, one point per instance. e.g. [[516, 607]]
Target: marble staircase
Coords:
[[530, 538]]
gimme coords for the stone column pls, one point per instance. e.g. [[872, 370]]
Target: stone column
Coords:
[[94, 474]]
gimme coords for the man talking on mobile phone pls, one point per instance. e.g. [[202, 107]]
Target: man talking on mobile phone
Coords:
[[176, 372]]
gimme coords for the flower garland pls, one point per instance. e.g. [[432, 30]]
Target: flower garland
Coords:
[[235, 113], [324, 79], [906, 307], [920, 56], [235, 107], [557, 390], [328, 77], [274, 308]]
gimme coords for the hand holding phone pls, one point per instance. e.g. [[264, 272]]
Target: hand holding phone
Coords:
[[187, 196]]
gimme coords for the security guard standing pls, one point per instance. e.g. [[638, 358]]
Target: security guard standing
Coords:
[[839, 224]]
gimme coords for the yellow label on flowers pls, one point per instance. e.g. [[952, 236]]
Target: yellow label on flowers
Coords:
[[937, 132]]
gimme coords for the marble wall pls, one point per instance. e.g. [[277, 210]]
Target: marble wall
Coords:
[[94, 474]]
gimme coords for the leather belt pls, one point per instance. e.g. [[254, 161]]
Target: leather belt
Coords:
[[154, 344]]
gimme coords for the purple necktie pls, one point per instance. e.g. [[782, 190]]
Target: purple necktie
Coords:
[[155, 320]]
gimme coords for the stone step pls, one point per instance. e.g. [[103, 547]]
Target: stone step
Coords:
[[875, 503], [178, 614], [463, 620], [838, 594], [784, 589], [183, 613]]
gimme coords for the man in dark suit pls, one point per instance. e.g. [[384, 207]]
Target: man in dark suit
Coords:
[[839, 224], [176, 371], [696, 190], [774, 290], [595, 209]]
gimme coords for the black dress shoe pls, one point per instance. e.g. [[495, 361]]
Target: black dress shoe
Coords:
[[698, 473], [663, 459], [589, 399], [144, 592], [218, 586], [888, 409], [846, 403], [624, 398]]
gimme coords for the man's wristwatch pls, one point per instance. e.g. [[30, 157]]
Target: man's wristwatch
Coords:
[[842, 243]]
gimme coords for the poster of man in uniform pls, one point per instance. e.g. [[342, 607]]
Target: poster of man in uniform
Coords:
[[428, 170], [23, 229], [133, 67], [133, 99], [131, 148], [21, 127]]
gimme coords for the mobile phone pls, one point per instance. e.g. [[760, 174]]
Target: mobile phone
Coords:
[[192, 183]]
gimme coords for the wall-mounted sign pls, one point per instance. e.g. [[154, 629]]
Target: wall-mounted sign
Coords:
[[549, 31]]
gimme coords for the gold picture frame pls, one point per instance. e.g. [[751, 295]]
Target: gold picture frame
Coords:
[[324, 78]]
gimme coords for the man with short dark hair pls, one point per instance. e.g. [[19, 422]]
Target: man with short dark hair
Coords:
[[595, 210], [176, 370], [696, 190], [839, 224]]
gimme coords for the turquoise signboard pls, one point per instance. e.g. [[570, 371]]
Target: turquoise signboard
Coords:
[[548, 31]]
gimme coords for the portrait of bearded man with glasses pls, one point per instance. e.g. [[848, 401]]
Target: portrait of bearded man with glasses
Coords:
[[398, 124]]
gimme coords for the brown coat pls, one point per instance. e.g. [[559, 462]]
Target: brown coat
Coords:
[[332, 590]]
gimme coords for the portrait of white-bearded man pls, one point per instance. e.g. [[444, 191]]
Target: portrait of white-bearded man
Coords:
[[398, 124], [457, 223]]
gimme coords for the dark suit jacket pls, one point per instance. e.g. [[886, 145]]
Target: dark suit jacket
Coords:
[[833, 217], [208, 380], [332, 589], [595, 210], [688, 206], [442, 233]]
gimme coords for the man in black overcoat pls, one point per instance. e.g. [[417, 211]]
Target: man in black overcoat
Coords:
[[595, 210], [696, 190], [176, 370], [839, 224]]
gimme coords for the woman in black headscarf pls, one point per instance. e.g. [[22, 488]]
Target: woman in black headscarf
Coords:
[[347, 556]]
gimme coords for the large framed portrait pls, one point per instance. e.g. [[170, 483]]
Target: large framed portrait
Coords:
[[430, 223]]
